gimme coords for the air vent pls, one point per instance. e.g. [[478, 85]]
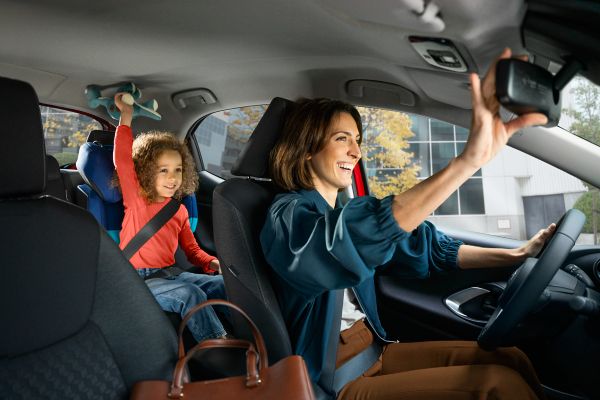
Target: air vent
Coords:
[[194, 97]]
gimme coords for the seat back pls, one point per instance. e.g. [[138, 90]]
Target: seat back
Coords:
[[77, 322], [240, 206], [104, 200], [95, 164], [54, 182]]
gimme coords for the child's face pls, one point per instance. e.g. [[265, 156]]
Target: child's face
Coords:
[[168, 174]]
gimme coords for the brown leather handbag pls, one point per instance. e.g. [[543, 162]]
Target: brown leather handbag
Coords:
[[286, 379]]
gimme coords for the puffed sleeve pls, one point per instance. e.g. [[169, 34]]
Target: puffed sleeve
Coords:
[[426, 250], [315, 251]]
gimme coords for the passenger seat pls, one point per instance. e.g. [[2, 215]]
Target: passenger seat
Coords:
[[77, 322], [62, 183], [54, 183], [72, 179]]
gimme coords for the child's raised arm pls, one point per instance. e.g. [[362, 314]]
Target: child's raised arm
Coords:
[[122, 157]]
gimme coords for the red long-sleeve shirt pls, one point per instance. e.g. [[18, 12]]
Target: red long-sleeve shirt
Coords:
[[159, 251]]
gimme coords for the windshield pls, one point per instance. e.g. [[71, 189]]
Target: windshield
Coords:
[[581, 109]]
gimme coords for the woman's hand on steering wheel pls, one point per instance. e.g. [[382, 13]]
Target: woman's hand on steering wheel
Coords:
[[526, 285], [534, 245]]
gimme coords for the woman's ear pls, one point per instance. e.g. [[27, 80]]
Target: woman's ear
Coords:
[[308, 157]]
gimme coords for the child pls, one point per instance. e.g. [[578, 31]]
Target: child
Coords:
[[151, 170]]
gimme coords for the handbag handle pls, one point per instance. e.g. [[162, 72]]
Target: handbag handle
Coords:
[[252, 358], [258, 339], [252, 374]]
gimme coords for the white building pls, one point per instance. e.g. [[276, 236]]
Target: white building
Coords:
[[521, 195]]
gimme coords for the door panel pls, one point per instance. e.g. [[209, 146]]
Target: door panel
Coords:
[[415, 309]]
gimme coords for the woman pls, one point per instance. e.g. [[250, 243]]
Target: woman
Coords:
[[316, 246]]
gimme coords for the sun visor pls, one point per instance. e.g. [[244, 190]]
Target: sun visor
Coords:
[[380, 94], [449, 88]]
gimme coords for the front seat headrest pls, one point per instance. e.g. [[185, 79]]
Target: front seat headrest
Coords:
[[254, 159], [23, 154]]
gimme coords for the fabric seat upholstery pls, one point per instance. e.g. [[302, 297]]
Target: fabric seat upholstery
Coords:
[[54, 182], [77, 322]]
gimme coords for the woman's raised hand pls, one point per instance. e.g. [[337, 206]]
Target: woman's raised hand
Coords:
[[488, 132]]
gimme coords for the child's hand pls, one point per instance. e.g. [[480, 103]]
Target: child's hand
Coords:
[[215, 266], [124, 102]]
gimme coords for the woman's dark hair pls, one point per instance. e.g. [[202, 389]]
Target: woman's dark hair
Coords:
[[147, 148], [305, 132]]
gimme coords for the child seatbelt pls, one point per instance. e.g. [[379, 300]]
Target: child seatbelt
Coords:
[[151, 227]]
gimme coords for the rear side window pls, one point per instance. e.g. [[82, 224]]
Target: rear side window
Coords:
[[221, 137], [64, 132]]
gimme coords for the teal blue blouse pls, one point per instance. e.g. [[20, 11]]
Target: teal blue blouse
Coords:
[[315, 249]]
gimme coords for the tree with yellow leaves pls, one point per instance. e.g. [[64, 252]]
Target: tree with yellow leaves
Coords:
[[385, 149], [65, 130]]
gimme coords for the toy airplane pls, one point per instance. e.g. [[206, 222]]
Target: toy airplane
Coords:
[[146, 109]]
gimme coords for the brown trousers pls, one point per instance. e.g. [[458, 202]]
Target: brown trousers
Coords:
[[449, 370]]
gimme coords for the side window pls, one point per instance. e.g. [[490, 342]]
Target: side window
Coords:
[[64, 132], [416, 147], [222, 135], [514, 195]]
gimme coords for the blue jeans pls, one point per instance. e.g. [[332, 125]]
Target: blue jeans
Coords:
[[180, 293]]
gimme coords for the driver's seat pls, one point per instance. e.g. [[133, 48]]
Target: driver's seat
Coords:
[[240, 205]]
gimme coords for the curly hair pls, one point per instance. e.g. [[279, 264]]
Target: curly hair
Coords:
[[147, 148]]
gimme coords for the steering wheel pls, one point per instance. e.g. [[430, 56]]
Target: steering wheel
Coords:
[[528, 282]]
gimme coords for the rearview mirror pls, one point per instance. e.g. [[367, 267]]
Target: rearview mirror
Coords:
[[523, 88]]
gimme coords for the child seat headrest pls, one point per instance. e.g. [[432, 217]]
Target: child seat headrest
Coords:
[[95, 164]]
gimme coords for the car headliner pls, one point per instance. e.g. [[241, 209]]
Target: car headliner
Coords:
[[246, 52]]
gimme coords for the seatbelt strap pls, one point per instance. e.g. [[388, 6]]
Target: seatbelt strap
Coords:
[[356, 366], [326, 381], [151, 227]]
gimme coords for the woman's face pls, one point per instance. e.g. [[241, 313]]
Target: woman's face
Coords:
[[332, 166]]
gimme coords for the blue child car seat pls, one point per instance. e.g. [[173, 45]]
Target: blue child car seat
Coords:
[[105, 202]]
